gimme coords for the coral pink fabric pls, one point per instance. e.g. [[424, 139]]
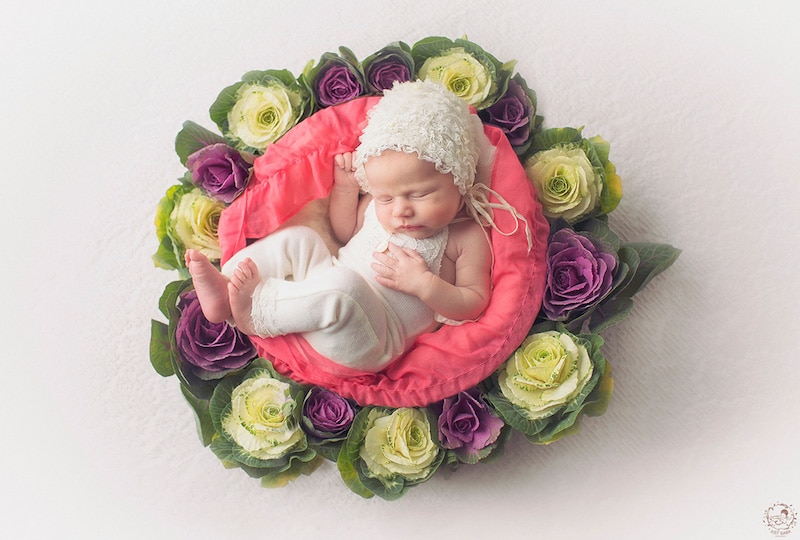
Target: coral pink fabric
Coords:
[[299, 168]]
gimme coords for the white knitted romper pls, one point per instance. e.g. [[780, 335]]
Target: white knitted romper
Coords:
[[335, 302]]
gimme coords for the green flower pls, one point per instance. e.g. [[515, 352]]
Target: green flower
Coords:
[[194, 221], [257, 420], [572, 175], [547, 371], [464, 68], [461, 73], [552, 378], [186, 219], [399, 444], [388, 451], [260, 109], [260, 418]]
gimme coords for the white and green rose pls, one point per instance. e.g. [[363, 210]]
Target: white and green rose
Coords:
[[552, 379], [566, 182], [261, 418], [260, 109], [194, 220], [186, 219], [545, 373], [262, 114], [461, 73], [389, 451], [256, 417], [572, 175], [464, 68], [399, 444]]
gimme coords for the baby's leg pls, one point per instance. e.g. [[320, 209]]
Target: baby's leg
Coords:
[[291, 253], [335, 310], [211, 287], [244, 281]]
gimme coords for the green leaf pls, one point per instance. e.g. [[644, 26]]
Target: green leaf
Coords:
[[599, 229], [348, 55], [602, 394], [329, 450], [550, 138], [429, 47], [223, 449], [511, 414], [609, 313], [168, 302], [165, 257], [160, 349], [223, 104], [654, 259], [348, 456], [205, 426], [629, 264], [192, 138], [299, 467]]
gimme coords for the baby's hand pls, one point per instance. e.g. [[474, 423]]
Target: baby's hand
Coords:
[[343, 171], [403, 270]]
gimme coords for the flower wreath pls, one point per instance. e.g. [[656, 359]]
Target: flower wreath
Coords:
[[275, 428]]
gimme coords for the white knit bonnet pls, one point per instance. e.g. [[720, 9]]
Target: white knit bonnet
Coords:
[[425, 118]]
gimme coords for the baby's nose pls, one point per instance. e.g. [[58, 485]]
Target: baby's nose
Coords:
[[402, 208]]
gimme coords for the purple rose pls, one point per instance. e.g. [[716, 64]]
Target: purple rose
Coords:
[[468, 426], [387, 67], [327, 415], [511, 113], [219, 170], [579, 274], [337, 82], [209, 350]]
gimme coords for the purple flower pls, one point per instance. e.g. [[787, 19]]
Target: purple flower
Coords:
[[387, 66], [327, 415], [511, 113], [219, 170], [468, 426], [337, 82], [209, 350], [579, 274]]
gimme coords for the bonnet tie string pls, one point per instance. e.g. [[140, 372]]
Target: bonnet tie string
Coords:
[[481, 209]]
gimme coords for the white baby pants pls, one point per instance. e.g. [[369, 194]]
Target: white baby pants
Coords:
[[302, 290]]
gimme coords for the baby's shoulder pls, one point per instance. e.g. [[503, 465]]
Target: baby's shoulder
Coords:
[[461, 230], [466, 237]]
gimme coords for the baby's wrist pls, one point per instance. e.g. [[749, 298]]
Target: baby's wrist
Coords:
[[427, 288]]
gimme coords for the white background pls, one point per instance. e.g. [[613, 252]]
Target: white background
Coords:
[[700, 104]]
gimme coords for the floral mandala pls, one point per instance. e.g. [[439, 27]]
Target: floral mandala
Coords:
[[277, 429]]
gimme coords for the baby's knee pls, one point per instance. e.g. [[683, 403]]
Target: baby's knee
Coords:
[[351, 297]]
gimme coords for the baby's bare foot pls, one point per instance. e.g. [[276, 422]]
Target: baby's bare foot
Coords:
[[243, 282], [211, 287]]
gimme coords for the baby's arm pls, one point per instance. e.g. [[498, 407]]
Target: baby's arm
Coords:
[[406, 271], [343, 209]]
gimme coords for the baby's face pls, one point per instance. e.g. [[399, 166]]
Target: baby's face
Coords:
[[411, 196]]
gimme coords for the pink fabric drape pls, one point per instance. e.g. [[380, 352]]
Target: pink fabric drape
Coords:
[[298, 169]]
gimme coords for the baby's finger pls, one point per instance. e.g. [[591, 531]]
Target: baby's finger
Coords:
[[384, 258], [413, 254], [382, 270]]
